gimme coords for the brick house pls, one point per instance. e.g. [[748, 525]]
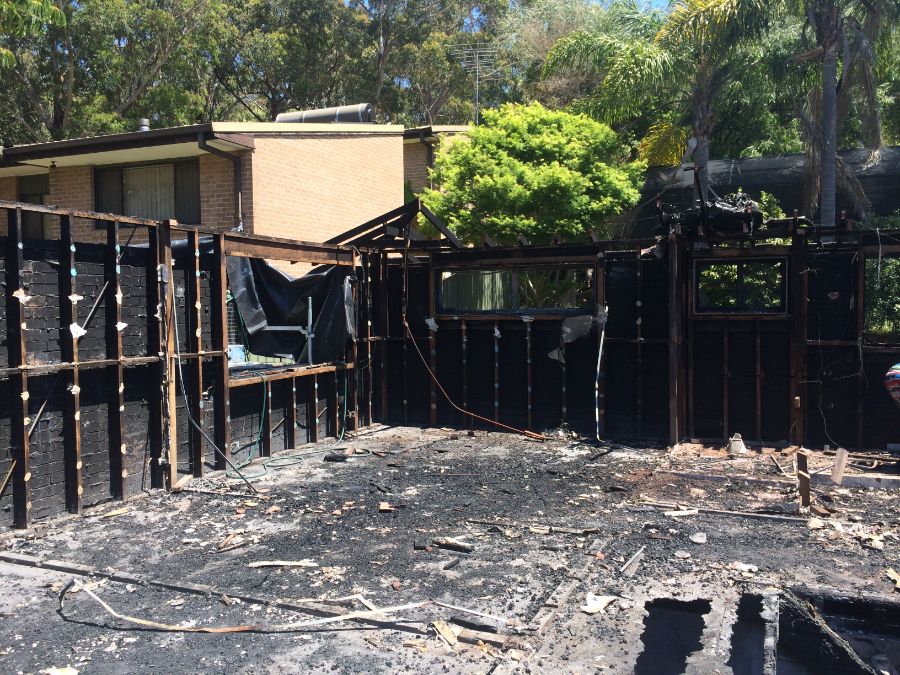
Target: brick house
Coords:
[[420, 144], [305, 181]]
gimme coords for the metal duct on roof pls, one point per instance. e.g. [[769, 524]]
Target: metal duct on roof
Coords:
[[360, 112]]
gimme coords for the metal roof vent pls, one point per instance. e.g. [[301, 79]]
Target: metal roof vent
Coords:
[[360, 112], [143, 124]]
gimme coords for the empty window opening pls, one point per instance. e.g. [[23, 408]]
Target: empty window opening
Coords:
[[748, 635], [531, 290], [672, 632], [748, 287], [882, 295]]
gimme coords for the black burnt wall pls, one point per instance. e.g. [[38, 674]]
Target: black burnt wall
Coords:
[[635, 372]]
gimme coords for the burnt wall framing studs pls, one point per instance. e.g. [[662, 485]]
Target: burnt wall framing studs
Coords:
[[175, 358], [712, 373]]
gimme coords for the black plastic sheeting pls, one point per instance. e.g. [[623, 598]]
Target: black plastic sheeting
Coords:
[[270, 301]]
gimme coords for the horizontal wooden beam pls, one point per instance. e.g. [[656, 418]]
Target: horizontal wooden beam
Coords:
[[290, 251], [257, 377], [75, 213]]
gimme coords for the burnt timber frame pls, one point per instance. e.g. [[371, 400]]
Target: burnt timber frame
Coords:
[[680, 253], [161, 354]]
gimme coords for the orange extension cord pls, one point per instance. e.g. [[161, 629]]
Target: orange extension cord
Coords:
[[524, 432]]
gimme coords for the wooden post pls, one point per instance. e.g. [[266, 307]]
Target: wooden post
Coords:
[[155, 348], [368, 385], [639, 374], [68, 344], [290, 416], [432, 346], [265, 449], [726, 376], [353, 383], [803, 478], [170, 473], [861, 384], [219, 317], [116, 407], [496, 371], [529, 374], [465, 372], [798, 285], [563, 393], [312, 410], [384, 330], [840, 465], [193, 310], [676, 341], [332, 405], [15, 326], [759, 382]]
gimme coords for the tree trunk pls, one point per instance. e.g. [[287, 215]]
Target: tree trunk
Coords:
[[827, 190], [701, 164]]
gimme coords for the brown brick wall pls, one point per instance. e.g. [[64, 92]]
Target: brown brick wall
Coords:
[[8, 188], [313, 188], [72, 187], [217, 192], [415, 166]]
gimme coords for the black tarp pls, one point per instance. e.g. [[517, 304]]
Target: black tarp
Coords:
[[269, 301]]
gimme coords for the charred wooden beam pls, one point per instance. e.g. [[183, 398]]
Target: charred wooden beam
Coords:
[[155, 348], [290, 415], [312, 410], [16, 347], [194, 316], [496, 371], [219, 318], [170, 442], [114, 352], [432, 351], [69, 352], [529, 375]]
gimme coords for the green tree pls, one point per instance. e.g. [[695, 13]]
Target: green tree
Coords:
[[21, 18], [95, 71], [683, 61], [272, 57], [536, 172]]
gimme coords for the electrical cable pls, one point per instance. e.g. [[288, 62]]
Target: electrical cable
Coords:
[[187, 406], [524, 432]]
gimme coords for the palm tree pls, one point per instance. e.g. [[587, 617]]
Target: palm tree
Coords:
[[846, 33], [681, 60], [692, 53]]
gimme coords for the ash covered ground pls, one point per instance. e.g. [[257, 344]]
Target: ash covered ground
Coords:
[[555, 550]]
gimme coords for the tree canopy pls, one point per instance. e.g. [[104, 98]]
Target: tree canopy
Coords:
[[536, 172], [742, 77]]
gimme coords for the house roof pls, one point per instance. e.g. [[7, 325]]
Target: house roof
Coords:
[[165, 143]]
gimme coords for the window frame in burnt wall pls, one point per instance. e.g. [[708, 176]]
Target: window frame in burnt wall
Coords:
[[110, 189], [703, 309]]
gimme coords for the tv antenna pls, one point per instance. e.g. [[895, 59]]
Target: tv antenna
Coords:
[[480, 60]]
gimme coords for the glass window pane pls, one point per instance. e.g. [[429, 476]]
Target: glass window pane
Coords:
[[763, 284], [717, 287], [476, 291], [883, 298], [187, 193], [555, 288]]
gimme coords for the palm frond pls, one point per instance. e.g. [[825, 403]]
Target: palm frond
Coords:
[[705, 22], [581, 49], [664, 144], [636, 73]]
